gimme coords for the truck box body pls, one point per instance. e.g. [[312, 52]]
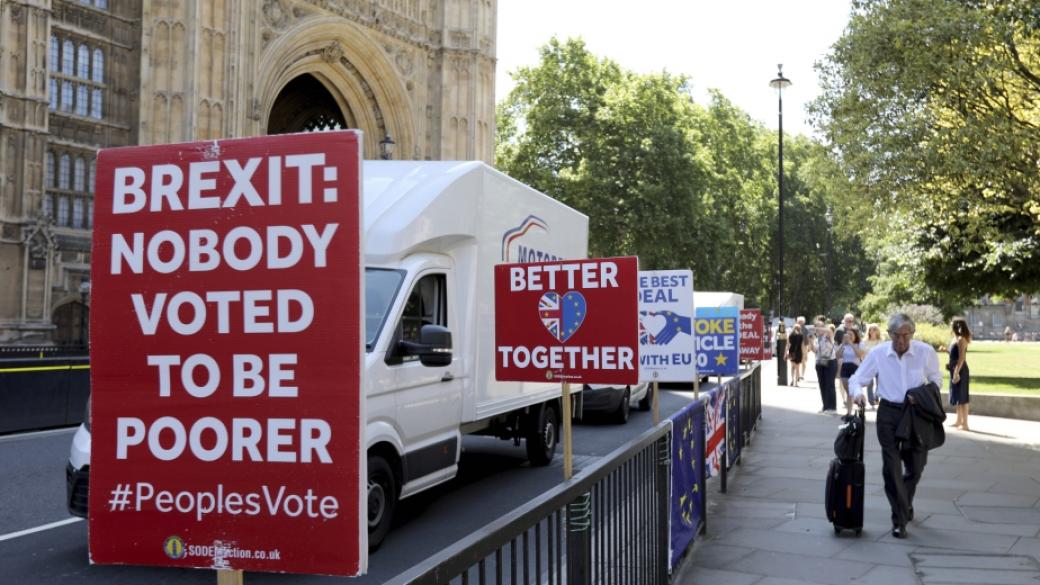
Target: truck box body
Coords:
[[478, 217]]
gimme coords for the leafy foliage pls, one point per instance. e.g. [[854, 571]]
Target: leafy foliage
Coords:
[[932, 108], [678, 184]]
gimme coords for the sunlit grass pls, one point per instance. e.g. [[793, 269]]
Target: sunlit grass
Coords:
[[1001, 368]]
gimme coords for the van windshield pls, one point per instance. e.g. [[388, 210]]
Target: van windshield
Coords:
[[381, 286]]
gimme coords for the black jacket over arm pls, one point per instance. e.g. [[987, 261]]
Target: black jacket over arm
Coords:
[[923, 416]]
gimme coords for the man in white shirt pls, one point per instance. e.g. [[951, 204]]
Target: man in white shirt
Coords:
[[900, 364]]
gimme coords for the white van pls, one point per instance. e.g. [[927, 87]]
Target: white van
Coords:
[[433, 233]]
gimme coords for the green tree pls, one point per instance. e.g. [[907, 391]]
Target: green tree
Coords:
[[932, 108], [675, 183]]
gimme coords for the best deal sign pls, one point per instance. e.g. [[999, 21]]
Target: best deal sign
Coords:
[[571, 321], [225, 356], [666, 352]]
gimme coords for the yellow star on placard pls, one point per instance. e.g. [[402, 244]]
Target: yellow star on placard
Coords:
[[720, 360]]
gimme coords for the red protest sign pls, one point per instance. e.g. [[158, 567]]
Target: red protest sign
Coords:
[[226, 356], [572, 321], [752, 335]]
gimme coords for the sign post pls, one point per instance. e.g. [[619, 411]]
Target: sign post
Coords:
[[666, 344], [568, 322], [228, 315]]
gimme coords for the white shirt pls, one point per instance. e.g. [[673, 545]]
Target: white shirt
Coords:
[[919, 365]]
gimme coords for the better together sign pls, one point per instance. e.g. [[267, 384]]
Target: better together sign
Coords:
[[226, 356], [569, 321]]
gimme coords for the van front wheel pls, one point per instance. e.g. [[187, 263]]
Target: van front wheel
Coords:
[[382, 500], [542, 434]]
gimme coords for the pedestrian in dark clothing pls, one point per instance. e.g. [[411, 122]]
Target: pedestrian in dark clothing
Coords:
[[794, 352], [900, 365], [958, 367]]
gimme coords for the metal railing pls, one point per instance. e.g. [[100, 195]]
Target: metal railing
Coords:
[[608, 524]]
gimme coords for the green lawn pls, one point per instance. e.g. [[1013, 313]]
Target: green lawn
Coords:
[[1000, 368]]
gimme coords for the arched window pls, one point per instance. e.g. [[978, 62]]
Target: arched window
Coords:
[[83, 62], [90, 178], [54, 93], [78, 175], [99, 66], [90, 214], [68, 56], [77, 212], [63, 172], [66, 96], [81, 99], [48, 205], [55, 54], [63, 211], [49, 169], [95, 104]]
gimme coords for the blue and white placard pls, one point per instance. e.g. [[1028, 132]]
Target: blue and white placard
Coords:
[[718, 348], [666, 349]]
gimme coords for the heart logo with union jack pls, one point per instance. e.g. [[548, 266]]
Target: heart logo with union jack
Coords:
[[562, 315]]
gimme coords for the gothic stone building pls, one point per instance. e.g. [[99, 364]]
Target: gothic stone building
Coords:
[[80, 75]]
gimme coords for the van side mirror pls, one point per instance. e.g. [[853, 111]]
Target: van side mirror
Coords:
[[433, 348]]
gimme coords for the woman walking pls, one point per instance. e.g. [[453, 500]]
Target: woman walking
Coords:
[[958, 367], [850, 356], [826, 366], [873, 340], [794, 352]]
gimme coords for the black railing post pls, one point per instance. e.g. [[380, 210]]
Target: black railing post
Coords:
[[664, 503], [702, 436], [579, 530]]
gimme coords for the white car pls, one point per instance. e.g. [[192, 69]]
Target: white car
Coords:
[[615, 400]]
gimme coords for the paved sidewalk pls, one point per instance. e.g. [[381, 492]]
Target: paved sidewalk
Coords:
[[977, 507]]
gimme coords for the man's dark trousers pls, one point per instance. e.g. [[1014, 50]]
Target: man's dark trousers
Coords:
[[901, 463]]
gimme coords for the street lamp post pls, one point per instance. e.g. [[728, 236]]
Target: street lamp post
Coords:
[[84, 295], [830, 252], [779, 84]]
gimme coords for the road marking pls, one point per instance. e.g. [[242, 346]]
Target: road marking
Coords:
[[43, 369], [28, 531], [37, 434]]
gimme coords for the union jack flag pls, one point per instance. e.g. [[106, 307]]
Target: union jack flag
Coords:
[[645, 337], [715, 431], [549, 310]]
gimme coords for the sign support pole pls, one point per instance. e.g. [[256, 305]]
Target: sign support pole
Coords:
[[226, 577], [657, 408], [568, 456], [697, 387]]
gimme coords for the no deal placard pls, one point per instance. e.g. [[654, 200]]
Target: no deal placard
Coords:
[[572, 321], [225, 356]]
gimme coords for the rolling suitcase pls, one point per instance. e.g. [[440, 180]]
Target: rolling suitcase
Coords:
[[845, 478]]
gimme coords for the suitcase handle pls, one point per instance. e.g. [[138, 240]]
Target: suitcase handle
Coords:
[[863, 425]]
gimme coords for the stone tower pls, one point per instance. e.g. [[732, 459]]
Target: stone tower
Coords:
[[80, 75]]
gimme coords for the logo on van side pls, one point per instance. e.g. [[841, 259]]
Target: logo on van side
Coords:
[[513, 251]]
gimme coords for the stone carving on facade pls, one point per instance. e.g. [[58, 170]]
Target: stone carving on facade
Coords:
[[39, 239], [332, 53], [277, 15], [459, 39]]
